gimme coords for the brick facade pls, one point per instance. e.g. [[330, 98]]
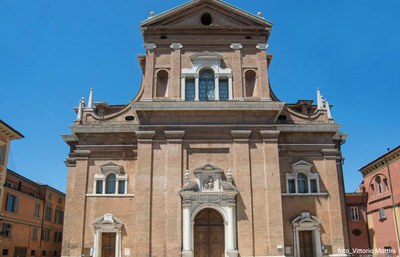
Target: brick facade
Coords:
[[188, 142]]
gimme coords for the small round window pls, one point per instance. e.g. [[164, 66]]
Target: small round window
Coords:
[[206, 19]]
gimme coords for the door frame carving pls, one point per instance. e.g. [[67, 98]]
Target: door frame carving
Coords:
[[220, 196], [307, 222], [107, 224]]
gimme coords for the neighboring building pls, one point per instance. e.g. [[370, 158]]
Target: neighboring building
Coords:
[[356, 207], [382, 184], [205, 161], [7, 134], [31, 218]]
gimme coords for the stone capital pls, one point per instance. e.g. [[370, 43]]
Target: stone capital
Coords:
[[82, 153], [241, 135], [145, 136], [270, 135], [150, 46], [262, 46], [174, 135], [236, 46], [176, 46]]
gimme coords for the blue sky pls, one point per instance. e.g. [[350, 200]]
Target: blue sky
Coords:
[[52, 52]]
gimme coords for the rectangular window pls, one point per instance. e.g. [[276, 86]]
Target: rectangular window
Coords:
[[45, 236], [55, 253], [36, 211], [291, 186], [57, 237], [5, 252], [59, 200], [99, 187], [47, 213], [223, 89], [2, 155], [189, 89], [373, 189], [34, 233], [59, 217], [6, 229], [12, 203], [382, 214], [354, 214], [43, 253], [313, 186], [33, 252], [121, 187]]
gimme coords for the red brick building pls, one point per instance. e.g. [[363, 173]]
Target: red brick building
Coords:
[[356, 208], [382, 185], [31, 218]]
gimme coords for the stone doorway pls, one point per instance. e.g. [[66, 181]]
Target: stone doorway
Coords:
[[108, 245], [306, 243], [209, 234]]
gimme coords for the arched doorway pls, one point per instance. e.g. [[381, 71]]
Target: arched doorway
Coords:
[[209, 234]]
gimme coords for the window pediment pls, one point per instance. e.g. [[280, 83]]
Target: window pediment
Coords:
[[107, 220], [111, 167], [206, 55]]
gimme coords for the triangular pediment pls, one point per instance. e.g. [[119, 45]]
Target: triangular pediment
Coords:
[[206, 55], [208, 168], [189, 15]]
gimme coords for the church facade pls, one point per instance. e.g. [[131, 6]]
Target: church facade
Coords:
[[205, 161]]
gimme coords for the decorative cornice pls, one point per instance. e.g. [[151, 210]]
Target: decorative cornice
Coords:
[[330, 153], [381, 161], [70, 162]]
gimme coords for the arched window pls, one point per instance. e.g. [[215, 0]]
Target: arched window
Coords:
[[111, 180], [162, 84], [302, 180], [250, 83], [302, 186], [110, 183], [206, 86]]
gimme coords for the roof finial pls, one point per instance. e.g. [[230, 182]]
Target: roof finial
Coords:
[[81, 105], [152, 14], [90, 101], [320, 100], [328, 109], [259, 14]]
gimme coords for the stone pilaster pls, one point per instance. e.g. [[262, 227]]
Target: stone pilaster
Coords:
[[274, 211], [143, 187], [174, 87], [173, 200], [75, 204], [237, 70], [148, 80], [242, 178], [336, 204], [262, 76]]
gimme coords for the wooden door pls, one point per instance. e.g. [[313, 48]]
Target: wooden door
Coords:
[[20, 251], [108, 245], [209, 234], [306, 244]]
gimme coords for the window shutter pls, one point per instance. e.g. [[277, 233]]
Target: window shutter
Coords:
[[7, 202], [16, 204]]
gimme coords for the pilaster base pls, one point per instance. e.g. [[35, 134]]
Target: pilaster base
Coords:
[[232, 253], [187, 253]]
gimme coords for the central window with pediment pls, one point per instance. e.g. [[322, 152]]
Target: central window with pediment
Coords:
[[206, 80]]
